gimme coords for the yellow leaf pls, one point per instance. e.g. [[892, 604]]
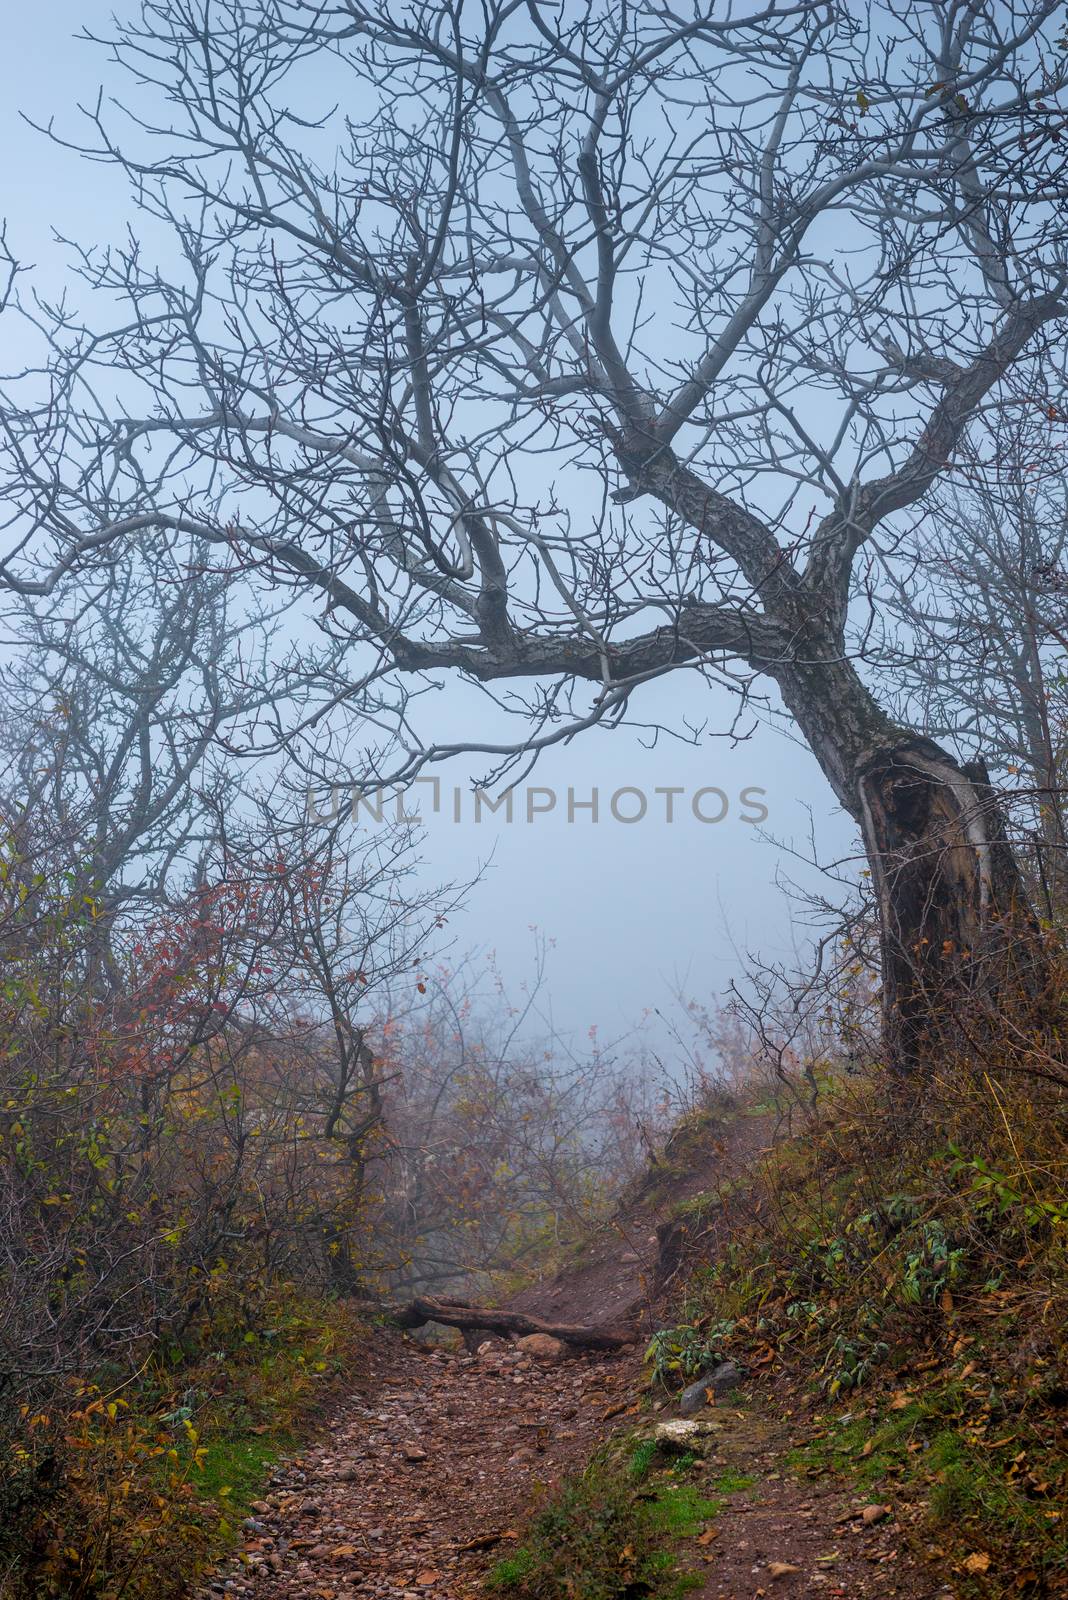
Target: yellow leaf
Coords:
[[978, 1561]]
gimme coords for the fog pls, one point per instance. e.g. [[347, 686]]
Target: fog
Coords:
[[633, 910]]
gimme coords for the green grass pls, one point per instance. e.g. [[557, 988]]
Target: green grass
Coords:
[[234, 1469], [642, 1457], [513, 1571], [613, 1531], [733, 1482]]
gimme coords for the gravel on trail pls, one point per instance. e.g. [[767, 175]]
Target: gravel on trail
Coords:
[[427, 1470]]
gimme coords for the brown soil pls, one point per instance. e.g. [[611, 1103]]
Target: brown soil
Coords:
[[814, 1527], [625, 1272]]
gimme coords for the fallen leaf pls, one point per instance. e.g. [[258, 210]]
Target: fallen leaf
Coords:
[[781, 1569], [425, 1579], [483, 1541], [872, 1514], [708, 1535], [978, 1561]]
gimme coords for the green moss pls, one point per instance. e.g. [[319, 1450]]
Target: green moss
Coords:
[[733, 1483], [681, 1510]]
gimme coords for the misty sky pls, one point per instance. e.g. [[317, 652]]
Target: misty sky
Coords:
[[634, 909]]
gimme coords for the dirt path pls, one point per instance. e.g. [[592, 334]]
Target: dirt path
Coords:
[[425, 1474], [812, 1527]]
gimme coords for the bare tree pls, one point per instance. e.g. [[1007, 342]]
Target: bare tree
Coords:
[[176, 931], [124, 699], [568, 347]]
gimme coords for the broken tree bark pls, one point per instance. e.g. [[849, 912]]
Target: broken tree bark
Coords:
[[508, 1324], [961, 946]]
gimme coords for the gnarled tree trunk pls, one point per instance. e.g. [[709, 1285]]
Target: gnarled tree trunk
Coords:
[[960, 943], [957, 930]]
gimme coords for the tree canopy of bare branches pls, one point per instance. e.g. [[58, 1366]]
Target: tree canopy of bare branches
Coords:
[[563, 347]]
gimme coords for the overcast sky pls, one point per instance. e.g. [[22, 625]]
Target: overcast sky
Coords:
[[633, 909]]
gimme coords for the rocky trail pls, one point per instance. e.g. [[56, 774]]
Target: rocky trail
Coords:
[[426, 1471], [424, 1477]]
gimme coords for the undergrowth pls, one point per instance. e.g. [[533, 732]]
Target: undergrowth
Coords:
[[613, 1531], [904, 1259], [990, 1488], [132, 1489]]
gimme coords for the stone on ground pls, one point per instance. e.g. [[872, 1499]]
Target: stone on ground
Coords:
[[717, 1382], [543, 1347]]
